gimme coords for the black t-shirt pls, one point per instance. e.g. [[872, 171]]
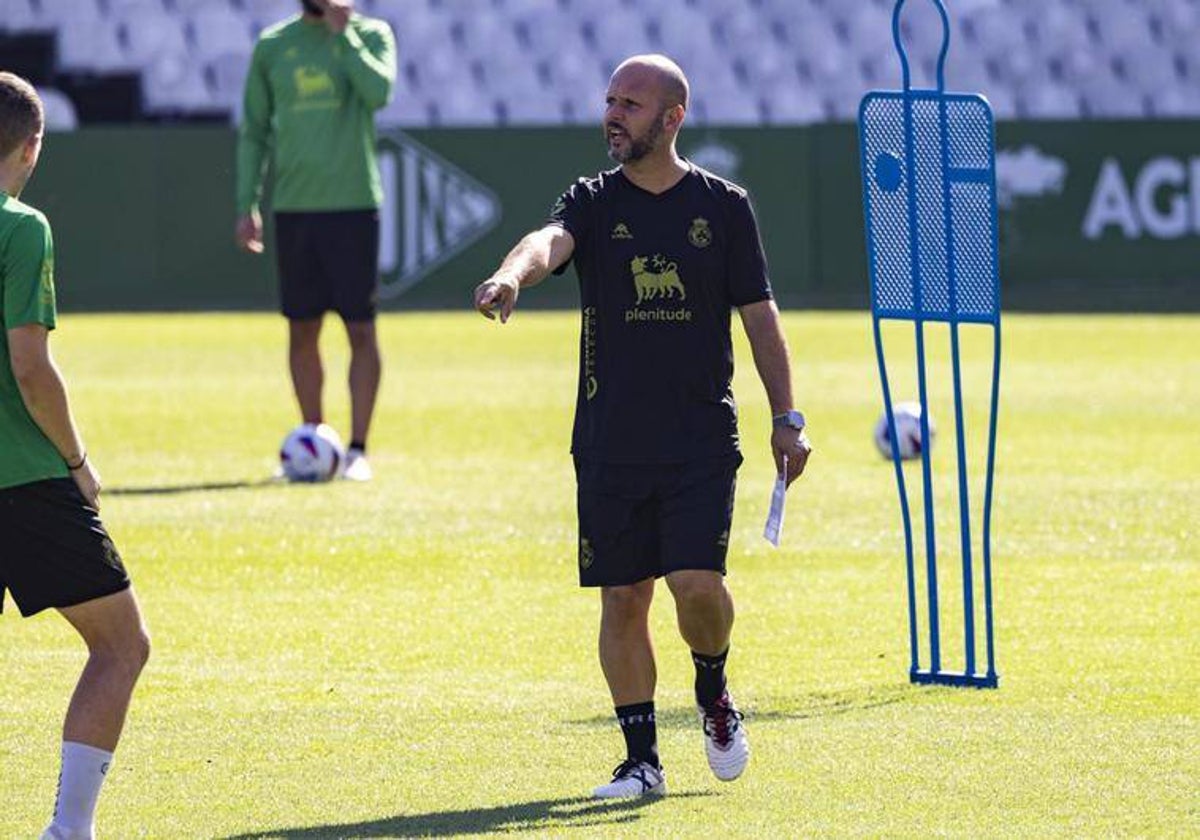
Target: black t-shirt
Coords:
[[659, 276]]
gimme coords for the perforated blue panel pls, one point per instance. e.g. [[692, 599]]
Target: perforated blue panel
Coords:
[[929, 174]]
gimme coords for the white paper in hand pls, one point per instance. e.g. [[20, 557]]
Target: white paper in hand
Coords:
[[774, 527]]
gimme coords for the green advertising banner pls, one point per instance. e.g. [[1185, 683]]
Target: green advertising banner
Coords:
[[1093, 215], [1101, 215], [143, 220]]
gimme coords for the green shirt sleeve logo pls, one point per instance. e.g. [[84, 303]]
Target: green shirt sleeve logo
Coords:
[[46, 293]]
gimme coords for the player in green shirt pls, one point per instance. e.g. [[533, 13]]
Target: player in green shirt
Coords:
[[314, 85], [55, 551]]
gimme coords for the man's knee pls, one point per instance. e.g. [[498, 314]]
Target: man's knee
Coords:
[[698, 588], [138, 652], [362, 335], [132, 649], [304, 335], [122, 655], [625, 603]]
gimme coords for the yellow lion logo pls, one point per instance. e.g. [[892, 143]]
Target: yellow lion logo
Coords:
[[662, 283], [312, 82]]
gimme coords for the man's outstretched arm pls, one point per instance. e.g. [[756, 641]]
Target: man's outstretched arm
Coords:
[[528, 264]]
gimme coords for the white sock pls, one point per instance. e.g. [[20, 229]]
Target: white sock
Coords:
[[83, 771]]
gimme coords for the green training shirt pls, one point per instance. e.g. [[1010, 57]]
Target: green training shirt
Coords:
[[26, 297], [309, 107]]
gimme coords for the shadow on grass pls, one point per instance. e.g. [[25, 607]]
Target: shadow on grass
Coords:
[[545, 815], [816, 704], [200, 487]]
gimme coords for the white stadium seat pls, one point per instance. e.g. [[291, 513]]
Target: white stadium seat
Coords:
[[508, 75], [173, 82], [226, 74], [54, 12], [188, 7], [149, 37], [264, 13], [406, 110], [770, 68], [216, 32], [1181, 101], [1049, 101], [59, 110], [19, 16], [92, 45], [125, 8], [792, 105], [464, 106], [1107, 97]]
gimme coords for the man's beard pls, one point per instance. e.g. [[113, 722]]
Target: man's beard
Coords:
[[639, 147], [312, 8]]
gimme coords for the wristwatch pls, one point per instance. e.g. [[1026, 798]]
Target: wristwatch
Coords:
[[792, 419]]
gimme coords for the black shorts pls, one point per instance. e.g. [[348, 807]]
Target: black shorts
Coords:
[[328, 262], [55, 552], [644, 521]]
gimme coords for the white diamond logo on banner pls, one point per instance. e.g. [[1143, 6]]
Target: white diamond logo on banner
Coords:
[[432, 211]]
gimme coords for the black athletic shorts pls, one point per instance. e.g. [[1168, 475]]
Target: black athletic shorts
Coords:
[[54, 551], [645, 521], [328, 261]]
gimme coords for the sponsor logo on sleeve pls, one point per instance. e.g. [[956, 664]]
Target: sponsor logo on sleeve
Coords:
[[591, 383], [46, 286]]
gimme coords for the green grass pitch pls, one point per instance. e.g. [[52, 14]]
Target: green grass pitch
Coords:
[[413, 657]]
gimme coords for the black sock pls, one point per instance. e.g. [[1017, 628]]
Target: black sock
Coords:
[[641, 736], [710, 677], [359, 445]]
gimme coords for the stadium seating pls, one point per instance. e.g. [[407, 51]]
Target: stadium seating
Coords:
[[539, 62], [59, 110]]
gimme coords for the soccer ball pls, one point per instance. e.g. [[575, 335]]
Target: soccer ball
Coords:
[[312, 452], [908, 431]]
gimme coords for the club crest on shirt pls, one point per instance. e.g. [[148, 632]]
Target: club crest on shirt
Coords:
[[312, 82], [587, 555], [700, 234], [621, 231]]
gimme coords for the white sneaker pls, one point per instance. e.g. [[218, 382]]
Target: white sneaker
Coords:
[[725, 740], [358, 468], [633, 778]]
